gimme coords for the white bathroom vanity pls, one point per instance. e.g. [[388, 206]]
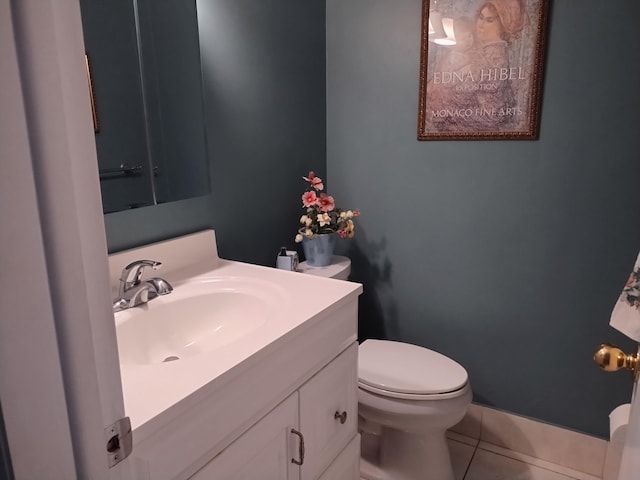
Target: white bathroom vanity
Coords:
[[242, 372]]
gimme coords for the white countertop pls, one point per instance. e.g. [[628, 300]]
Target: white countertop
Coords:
[[150, 390]]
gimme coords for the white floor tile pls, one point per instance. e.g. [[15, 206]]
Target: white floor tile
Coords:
[[451, 435], [537, 462], [490, 466], [543, 441], [461, 454]]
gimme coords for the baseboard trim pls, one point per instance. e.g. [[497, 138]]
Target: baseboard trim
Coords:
[[578, 455]]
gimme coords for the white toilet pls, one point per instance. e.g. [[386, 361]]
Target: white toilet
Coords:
[[408, 397]]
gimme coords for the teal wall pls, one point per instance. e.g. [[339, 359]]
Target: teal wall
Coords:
[[507, 256]]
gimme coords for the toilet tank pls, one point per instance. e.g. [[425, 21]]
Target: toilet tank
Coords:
[[340, 268]]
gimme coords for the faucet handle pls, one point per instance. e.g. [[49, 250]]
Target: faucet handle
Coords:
[[160, 285], [132, 273]]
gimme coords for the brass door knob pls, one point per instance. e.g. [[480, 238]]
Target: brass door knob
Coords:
[[611, 358]]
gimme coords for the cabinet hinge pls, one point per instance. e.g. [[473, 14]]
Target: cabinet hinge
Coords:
[[119, 441]]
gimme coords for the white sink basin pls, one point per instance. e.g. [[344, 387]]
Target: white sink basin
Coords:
[[198, 316]]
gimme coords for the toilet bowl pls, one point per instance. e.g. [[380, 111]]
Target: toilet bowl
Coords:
[[408, 397]]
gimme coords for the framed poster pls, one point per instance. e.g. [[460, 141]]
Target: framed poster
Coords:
[[481, 65]]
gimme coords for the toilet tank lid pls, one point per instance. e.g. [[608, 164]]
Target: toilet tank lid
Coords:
[[339, 268], [405, 368]]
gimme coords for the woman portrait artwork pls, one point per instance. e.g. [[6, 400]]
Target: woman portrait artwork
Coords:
[[482, 80]]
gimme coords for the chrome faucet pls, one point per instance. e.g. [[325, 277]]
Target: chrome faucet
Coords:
[[133, 291]]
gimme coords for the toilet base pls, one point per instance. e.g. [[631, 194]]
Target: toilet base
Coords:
[[407, 456], [371, 471]]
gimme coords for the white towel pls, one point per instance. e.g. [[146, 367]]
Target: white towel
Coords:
[[626, 313]]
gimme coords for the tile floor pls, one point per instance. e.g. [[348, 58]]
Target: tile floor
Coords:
[[490, 444], [473, 460]]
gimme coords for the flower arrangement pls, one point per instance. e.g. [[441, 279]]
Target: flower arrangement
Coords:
[[322, 214]]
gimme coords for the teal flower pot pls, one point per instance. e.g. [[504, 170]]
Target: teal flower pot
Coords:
[[318, 251]]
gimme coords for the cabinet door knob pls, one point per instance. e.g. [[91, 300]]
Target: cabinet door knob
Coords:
[[300, 447], [341, 416]]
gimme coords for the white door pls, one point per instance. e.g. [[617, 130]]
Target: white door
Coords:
[[59, 376], [626, 319], [31, 386], [630, 463]]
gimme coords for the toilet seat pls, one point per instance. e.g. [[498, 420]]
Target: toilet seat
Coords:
[[405, 371], [413, 396]]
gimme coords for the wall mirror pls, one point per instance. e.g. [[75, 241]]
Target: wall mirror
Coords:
[[146, 78]]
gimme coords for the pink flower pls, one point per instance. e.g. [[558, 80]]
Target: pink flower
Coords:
[[316, 182], [309, 199], [326, 203]]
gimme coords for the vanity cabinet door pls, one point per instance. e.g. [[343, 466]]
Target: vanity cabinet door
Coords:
[[347, 465], [329, 412], [263, 452]]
